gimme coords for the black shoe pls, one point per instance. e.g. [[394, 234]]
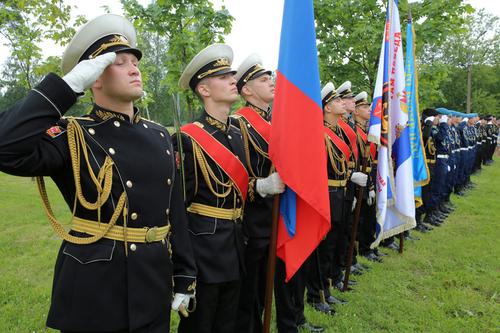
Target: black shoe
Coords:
[[379, 253], [334, 300], [356, 271], [435, 223], [340, 287], [411, 238], [362, 267], [393, 246], [373, 257], [308, 327], [421, 228], [323, 308], [428, 227]]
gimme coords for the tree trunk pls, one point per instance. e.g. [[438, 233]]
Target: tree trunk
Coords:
[[469, 87]]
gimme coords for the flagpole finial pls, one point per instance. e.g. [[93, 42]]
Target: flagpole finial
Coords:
[[409, 13]]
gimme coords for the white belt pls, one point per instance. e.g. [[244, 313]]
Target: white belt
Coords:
[[442, 156]]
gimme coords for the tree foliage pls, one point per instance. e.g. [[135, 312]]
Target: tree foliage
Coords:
[[350, 34], [181, 28]]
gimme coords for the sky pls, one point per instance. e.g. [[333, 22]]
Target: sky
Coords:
[[256, 28]]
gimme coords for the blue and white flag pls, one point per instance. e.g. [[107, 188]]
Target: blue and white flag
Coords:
[[420, 170], [389, 127]]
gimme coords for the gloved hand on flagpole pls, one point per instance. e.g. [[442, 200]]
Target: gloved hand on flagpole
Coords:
[[371, 198], [270, 185], [359, 178], [181, 303]]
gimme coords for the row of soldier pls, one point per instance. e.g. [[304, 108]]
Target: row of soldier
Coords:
[[137, 245]]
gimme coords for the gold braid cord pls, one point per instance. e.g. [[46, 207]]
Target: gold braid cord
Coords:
[[208, 173], [103, 183], [430, 146], [334, 158], [246, 140]]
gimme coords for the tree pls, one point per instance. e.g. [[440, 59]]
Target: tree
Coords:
[[185, 26], [24, 24], [477, 45], [350, 33]]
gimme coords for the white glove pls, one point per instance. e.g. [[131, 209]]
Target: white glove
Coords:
[[85, 73], [181, 303], [270, 186], [371, 198], [354, 204], [359, 178], [449, 169], [431, 118], [444, 119]]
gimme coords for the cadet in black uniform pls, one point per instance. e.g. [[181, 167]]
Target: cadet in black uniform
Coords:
[[331, 249], [114, 269], [217, 185], [368, 216], [356, 178], [256, 86], [430, 118]]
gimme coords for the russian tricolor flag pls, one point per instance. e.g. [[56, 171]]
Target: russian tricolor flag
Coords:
[[297, 145]]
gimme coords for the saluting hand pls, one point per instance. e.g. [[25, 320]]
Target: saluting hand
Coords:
[[86, 72]]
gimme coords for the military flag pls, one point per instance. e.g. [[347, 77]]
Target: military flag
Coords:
[[297, 145], [389, 127], [420, 170]]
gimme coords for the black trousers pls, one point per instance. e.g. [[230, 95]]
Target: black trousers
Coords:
[[252, 292], [367, 227], [320, 262], [289, 298], [159, 325], [217, 306]]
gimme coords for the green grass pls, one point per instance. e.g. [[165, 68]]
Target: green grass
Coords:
[[448, 281]]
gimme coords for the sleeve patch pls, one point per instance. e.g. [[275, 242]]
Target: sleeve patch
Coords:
[[54, 131]]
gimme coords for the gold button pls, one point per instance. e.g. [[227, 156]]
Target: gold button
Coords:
[[248, 125], [151, 234], [133, 216], [129, 184], [116, 123], [91, 131], [169, 181], [162, 135], [145, 126], [168, 152], [167, 211], [133, 247], [111, 151], [229, 137], [163, 241]]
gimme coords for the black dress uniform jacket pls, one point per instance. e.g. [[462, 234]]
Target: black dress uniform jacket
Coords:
[[218, 244], [257, 220], [98, 287]]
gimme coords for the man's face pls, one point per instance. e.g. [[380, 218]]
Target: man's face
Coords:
[[221, 88], [337, 106], [261, 88], [122, 79], [363, 112], [350, 104], [436, 120]]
